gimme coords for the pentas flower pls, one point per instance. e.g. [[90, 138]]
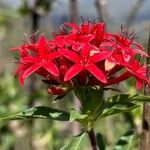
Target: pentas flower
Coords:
[[90, 32], [42, 57], [85, 60], [84, 55]]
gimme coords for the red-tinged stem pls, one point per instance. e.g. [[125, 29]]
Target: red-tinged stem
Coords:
[[114, 70], [92, 139], [121, 78]]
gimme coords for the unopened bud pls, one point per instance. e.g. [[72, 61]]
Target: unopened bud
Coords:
[[57, 90]]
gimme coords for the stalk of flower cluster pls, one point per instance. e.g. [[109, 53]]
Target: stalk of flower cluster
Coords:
[[92, 139]]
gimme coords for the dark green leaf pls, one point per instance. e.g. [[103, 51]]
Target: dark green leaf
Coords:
[[124, 141], [90, 98], [39, 112], [77, 143], [129, 97], [100, 141], [121, 103], [117, 108]]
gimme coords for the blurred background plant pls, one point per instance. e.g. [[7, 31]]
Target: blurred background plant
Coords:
[[28, 16]]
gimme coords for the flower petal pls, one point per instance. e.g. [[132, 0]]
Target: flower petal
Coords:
[[73, 71], [139, 84], [86, 50], [70, 55], [31, 70], [29, 59], [140, 52], [138, 45], [51, 68], [95, 71], [53, 55], [73, 26], [124, 76], [42, 46], [107, 44]]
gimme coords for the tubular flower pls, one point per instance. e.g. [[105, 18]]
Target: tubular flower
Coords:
[[42, 57], [85, 60], [85, 54]]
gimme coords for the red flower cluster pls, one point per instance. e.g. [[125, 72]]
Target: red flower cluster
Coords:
[[85, 55]]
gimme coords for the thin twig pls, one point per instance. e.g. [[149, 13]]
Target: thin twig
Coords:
[[101, 6], [32, 89], [74, 11], [92, 139], [145, 139], [134, 12]]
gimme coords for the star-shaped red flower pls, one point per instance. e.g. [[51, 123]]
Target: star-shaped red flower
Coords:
[[86, 59], [43, 58]]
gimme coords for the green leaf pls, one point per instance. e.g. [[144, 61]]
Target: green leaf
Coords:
[[129, 97], [100, 141], [121, 103], [90, 98], [117, 108], [39, 112], [74, 115], [124, 141], [77, 143]]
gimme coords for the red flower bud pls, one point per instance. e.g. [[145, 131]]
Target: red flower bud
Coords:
[[57, 90]]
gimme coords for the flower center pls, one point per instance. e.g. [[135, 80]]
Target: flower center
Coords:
[[84, 61]]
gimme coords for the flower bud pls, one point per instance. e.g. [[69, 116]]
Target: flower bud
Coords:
[[57, 90]]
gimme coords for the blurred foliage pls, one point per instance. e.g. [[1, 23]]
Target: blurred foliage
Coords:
[[42, 7], [14, 98]]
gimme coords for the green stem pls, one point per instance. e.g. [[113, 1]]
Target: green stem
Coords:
[[92, 139]]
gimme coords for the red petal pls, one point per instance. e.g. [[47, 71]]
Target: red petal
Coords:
[[139, 84], [31, 70], [85, 28], [86, 50], [74, 26], [107, 44], [21, 79], [70, 55], [95, 71], [138, 75], [140, 52], [53, 55], [42, 46], [137, 45], [51, 68], [29, 59], [15, 48], [73, 71], [77, 46], [19, 69], [121, 78]]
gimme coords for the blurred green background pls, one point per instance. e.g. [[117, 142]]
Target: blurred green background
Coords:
[[20, 17]]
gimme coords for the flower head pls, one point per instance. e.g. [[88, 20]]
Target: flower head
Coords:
[[86, 54]]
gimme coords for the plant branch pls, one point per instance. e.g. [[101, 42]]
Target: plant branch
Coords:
[[92, 139], [145, 139], [134, 12], [101, 6], [74, 11]]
